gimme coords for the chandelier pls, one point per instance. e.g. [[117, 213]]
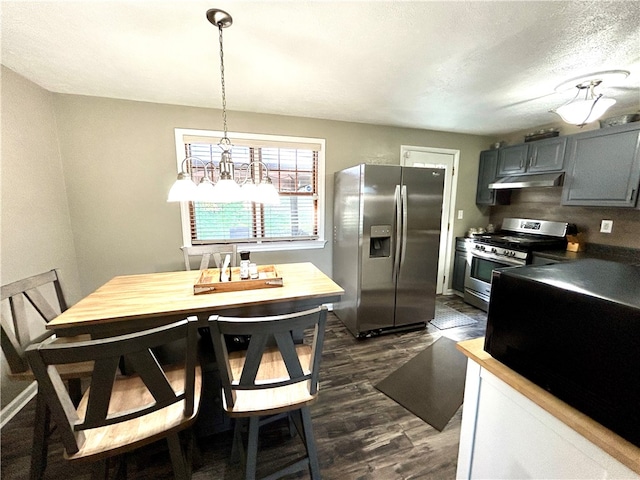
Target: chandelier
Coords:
[[251, 184]]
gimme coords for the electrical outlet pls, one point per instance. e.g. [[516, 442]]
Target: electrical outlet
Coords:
[[606, 226], [460, 214]]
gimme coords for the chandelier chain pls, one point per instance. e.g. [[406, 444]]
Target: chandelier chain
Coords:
[[224, 97]]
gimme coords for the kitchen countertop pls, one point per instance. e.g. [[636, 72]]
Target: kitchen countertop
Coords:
[[593, 250], [616, 446]]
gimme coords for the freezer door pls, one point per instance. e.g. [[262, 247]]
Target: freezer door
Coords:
[[377, 295], [422, 190]]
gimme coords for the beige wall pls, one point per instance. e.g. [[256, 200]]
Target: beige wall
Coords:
[[35, 223], [85, 180], [119, 159]]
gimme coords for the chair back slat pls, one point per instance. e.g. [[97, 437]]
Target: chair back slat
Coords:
[[253, 358], [273, 336], [19, 331], [147, 366], [104, 370], [12, 349], [205, 252], [42, 306], [289, 354], [97, 408]]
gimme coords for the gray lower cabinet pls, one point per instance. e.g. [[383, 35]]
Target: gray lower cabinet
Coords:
[[539, 156], [603, 167], [487, 175], [459, 264]]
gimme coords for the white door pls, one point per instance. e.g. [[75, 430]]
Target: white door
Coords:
[[438, 158]]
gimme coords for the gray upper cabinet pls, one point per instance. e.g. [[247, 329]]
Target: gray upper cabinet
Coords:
[[512, 160], [486, 175], [539, 156], [546, 155], [603, 167]]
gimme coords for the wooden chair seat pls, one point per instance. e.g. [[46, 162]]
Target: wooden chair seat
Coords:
[[273, 400], [130, 392]]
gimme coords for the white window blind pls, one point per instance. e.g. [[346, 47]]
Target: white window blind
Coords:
[[293, 169]]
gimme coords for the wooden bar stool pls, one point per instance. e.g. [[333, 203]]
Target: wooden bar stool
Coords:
[[274, 376], [118, 413], [33, 302]]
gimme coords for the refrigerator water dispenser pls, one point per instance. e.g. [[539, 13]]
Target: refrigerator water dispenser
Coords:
[[380, 241]]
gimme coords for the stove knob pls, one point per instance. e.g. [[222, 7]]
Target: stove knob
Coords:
[[494, 250]]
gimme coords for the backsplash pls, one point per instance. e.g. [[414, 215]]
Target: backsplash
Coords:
[[544, 204]]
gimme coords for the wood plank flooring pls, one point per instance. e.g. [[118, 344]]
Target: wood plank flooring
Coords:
[[360, 432]]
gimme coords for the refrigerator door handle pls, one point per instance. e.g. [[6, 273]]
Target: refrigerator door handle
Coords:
[[404, 225], [396, 257]]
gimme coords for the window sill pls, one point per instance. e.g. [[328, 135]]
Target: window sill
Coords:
[[281, 246]]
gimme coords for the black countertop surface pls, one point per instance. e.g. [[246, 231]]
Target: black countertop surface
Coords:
[[601, 252]]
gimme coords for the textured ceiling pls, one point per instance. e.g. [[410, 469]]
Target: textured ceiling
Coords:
[[474, 67]]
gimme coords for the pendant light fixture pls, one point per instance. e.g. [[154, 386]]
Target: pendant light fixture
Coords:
[[256, 184], [226, 189], [588, 109], [587, 106]]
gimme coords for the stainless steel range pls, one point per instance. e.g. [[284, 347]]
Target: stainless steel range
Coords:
[[511, 246]]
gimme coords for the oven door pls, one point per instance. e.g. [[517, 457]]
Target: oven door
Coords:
[[477, 278]]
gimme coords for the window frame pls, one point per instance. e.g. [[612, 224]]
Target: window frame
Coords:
[[185, 218]]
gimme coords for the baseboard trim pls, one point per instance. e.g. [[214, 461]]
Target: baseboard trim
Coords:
[[18, 403]]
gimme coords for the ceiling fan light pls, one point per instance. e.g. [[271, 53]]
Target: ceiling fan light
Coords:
[[580, 112]]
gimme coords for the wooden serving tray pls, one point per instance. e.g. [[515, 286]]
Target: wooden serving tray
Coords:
[[209, 281]]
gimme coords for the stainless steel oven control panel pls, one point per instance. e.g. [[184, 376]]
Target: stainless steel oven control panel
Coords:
[[499, 253]]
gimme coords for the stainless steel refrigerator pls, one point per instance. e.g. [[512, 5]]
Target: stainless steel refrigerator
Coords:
[[386, 237]]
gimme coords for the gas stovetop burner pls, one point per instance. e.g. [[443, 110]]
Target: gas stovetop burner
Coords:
[[526, 235]]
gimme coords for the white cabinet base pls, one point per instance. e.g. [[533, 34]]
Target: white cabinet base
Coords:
[[505, 435]]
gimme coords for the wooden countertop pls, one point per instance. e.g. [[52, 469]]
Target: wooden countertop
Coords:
[[616, 446]]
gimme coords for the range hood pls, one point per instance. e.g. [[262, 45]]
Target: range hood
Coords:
[[529, 181]]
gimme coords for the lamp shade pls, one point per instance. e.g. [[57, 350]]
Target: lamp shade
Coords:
[[226, 191], [183, 190], [267, 193], [205, 191], [580, 112]]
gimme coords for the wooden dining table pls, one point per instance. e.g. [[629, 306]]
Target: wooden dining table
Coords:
[[133, 302]]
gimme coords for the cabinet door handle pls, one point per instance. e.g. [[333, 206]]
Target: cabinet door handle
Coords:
[[633, 192]]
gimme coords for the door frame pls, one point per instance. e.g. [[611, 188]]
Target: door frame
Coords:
[[447, 240]]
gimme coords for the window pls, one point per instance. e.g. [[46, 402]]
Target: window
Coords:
[[296, 168]]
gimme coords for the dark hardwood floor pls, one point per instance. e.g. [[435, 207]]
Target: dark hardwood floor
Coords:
[[360, 432]]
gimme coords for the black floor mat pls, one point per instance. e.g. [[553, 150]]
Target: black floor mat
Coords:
[[431, 384]]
